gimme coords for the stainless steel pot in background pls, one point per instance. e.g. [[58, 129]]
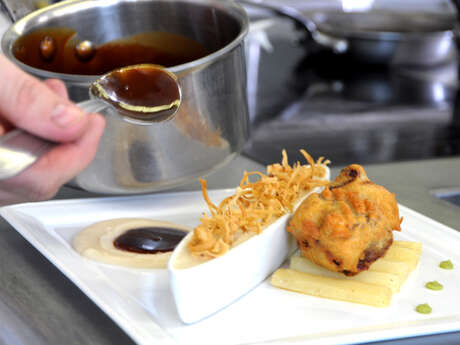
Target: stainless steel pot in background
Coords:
[[210, 126], [379, 37], [376, 36]]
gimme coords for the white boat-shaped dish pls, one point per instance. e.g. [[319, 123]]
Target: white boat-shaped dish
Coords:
[[201, 290]]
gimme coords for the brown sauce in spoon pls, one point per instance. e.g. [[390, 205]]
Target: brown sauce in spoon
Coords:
[[149, 240], [146, 92]]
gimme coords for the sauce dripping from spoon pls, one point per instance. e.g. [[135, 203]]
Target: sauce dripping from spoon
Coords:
[[144, 92]]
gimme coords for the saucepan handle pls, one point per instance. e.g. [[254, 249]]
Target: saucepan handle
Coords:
[[338, 45], [19, 150]]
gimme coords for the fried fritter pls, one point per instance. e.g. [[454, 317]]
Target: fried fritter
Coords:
[[349, 225]]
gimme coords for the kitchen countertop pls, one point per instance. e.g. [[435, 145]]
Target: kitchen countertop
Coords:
[[39, 305]]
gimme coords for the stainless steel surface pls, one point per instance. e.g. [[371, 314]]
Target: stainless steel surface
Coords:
[[17, 9], [336, 44], [347, 110], [211, 125], [450, 195], [379, 37], [19, 150], [456, 3], [418, 39]]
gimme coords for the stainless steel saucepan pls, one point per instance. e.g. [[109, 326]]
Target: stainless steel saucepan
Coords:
[[417, 39], [211, 124], [376, 37]]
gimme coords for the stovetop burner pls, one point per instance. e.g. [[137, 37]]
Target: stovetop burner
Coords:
[[347, 111]]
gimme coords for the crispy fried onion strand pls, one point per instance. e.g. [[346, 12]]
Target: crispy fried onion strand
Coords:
[[255, 205]]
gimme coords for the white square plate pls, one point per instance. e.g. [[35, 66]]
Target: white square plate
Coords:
[[141, 303]]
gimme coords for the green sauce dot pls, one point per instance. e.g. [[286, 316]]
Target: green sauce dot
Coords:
[[434, 285], [423, 308], [447, 265]]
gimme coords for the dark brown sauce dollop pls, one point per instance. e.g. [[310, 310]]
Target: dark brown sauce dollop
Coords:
[[58, 50], [149, 240]]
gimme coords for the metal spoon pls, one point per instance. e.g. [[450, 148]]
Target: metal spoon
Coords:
[[140, 94]]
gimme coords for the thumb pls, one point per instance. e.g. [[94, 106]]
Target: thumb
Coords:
[[31, 105]]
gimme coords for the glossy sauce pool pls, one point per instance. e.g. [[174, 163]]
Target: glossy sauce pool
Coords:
[[60, 50], [149, 240]]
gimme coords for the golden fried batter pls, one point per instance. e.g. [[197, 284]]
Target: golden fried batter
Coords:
[[349, 225]]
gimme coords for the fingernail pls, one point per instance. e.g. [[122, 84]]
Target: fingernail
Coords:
[[66, 115]]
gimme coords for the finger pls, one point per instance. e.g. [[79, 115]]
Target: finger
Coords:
[[32, 105], [55, 85], [43, 179], [58, 87], [69, 159]]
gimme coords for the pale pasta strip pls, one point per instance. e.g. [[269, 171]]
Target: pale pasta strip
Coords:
[[332, 288], [392, 281], [417, 246], [401, 254], [401, 269]]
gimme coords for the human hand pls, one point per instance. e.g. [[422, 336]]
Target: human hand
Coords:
[[43, 109]]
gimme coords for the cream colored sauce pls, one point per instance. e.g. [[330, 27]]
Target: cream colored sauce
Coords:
[[96, 243]]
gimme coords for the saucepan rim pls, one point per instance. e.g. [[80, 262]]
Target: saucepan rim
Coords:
[[16, 30], [321, 21]]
